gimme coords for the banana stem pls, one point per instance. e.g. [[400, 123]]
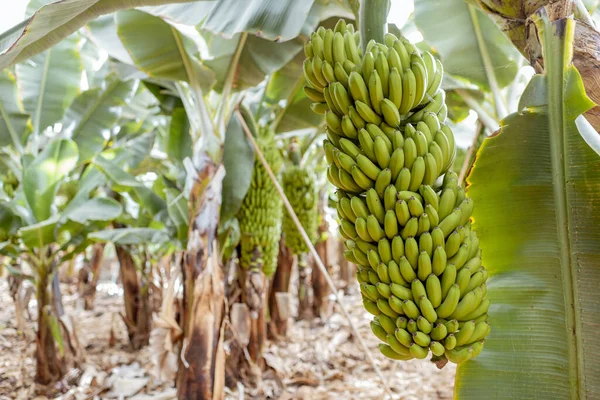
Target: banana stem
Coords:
[[469, 156], [312, 250], [373, 20]]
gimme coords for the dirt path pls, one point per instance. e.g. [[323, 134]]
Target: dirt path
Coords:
[[318, 361]]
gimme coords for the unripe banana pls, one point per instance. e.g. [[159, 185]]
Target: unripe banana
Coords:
[[390, 113], [387, 148], [375, 91], [314, 94], [403, 181], [421, 338], [374, 229], [409, 91], [358, 89], [382, 153], [439, 332], [387, 351], [367, 113], [397, 248], [351, 48], [417, 66], [383, 69], [450, 302], [378, 330], [374, 205]]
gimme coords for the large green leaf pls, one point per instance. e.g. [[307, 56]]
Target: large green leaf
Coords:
[[261, 56], [272, 19], [238, 159], [42, 177], [54, 22], [178, 140], [178, 209], [93, 114], [536, 186], [49, 82], [160, 50], [125, 236], [452, 28], [14, 122], [126, 182], [40, 234], [95, 209]]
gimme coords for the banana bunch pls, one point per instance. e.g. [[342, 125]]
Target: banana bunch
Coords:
[[404, 216], [299, 187], [261, 212]]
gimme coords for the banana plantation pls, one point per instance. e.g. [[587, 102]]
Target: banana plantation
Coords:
[[300, 199]]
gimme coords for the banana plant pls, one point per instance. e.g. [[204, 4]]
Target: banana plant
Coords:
[[53, 196], [46, 222], [208, 97], [535, 184]]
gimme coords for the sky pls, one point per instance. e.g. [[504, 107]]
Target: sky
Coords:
[[13, 12]]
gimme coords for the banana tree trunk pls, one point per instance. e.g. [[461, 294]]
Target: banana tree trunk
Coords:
[[346, 268], [89, 276], [136, 298], [304, 287], [48, 366], [514, 18], [279, 296], [57, 347], [320, 288], [201, 373]]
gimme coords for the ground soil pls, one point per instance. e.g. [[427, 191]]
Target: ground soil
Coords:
[[318, 360]]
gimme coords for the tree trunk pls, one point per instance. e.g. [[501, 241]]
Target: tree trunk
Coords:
[[89, 276], [304, 289], [255, 290], [201, 373], [136, 299], [514, 19], [279, 296], [320, 288], [48, 366], [345, 267]]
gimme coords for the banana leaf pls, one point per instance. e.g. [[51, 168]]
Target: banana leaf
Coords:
[[49, 82], [536, 187], [160, 50], [452, 27], [93, 114], [131, 236], [54, 22], [42, 177], [238, 159], [15, 126]]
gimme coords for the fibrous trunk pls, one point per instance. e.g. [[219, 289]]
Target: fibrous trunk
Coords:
[[89, 275], [57, 347], [201, 373], [320, 288], [304, 287], [136, 298], [279, 296]]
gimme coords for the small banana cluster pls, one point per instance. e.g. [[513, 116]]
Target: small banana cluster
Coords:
[[406, 228], [261, 212], [300, 189]]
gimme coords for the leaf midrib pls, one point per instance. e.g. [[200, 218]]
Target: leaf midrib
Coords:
[[555, 72], [40, 102], [90, 111]]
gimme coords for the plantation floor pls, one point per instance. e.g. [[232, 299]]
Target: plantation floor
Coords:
[[318, 361]]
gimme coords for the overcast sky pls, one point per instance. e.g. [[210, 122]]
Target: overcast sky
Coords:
[[13, 12]]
